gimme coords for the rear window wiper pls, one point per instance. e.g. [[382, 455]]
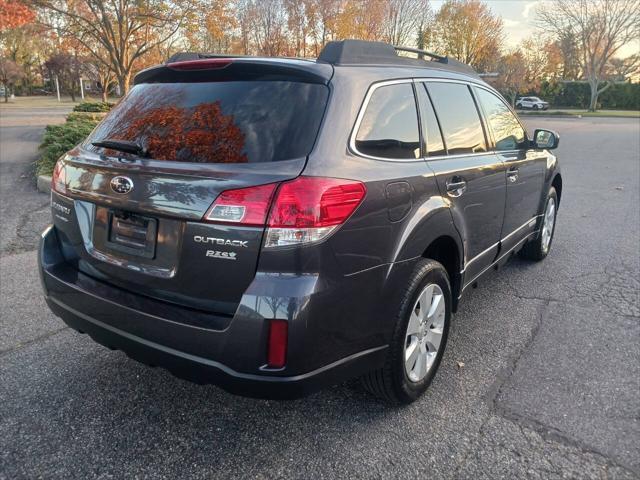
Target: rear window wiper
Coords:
[[122, 146]]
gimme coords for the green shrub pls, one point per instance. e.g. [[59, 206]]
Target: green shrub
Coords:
[[59, 139], [93, 107], [94, 116], [620, 96]]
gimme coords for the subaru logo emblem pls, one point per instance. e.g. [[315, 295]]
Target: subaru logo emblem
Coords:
[[121, 184]]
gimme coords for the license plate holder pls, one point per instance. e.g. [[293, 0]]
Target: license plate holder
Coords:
[[132, 234]]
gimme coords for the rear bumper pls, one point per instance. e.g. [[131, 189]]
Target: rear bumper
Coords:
[[229, 355]]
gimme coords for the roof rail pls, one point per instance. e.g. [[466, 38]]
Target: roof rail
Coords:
[[362, 52], [443, 59], [435, 56]]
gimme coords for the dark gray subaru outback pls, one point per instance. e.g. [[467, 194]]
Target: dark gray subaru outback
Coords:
[[274, 226]]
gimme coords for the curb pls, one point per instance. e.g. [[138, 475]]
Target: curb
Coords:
[[542, 115], [44, 183]]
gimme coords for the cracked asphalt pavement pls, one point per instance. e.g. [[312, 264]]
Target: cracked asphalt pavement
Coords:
[[550, 386]]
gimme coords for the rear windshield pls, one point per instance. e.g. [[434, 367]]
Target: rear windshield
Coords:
[[221, 122]]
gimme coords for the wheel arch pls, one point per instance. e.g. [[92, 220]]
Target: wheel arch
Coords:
[[557, 184], [447, 251], [431, 233]]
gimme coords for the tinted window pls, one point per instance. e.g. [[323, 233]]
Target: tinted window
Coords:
[[458, 118], [389, 127], [507, 131], [430, 129], [221, 122]]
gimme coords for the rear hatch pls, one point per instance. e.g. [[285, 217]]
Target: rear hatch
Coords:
[[146, 221]]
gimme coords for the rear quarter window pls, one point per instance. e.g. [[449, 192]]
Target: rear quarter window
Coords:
[[389, 127], [218, 122]]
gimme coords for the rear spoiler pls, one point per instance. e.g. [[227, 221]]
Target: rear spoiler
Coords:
[[194, 67]]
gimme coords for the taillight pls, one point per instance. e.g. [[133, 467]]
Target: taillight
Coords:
[[308, 209], [59, 178], [277, 343], [243, 206]]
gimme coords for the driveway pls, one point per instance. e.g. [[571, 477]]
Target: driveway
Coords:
[[541, 377], [22, 210]]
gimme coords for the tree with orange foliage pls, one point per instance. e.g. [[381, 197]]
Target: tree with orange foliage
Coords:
[[512, 72], [405, 20], [119, 32], [600, 28], [268, 26], [469, 31], [322, 16], [362, 19], [211, 26], [14, 13], [298, 25], [21, 40], [10, 72]]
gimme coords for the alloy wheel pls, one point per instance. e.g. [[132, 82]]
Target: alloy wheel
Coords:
[[548, 223], [424, 332]]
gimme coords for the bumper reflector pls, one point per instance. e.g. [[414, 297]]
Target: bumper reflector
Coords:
[[277, 345]]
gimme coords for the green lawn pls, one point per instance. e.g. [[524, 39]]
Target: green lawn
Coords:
[[48, 101], [612, 113], [584, 113]]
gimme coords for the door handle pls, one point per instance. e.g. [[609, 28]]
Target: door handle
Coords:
[[456, 187], [512, 174]]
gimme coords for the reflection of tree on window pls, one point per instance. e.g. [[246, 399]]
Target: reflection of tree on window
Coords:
[[218, 122], [200, 134]]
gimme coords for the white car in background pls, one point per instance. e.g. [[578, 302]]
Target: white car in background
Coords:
[[533, 103]]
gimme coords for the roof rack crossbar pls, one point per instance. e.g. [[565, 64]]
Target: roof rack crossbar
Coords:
[[435, 56]]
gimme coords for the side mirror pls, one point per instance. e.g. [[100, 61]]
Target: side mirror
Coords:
[[545, 139]]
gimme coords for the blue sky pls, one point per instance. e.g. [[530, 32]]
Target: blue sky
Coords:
[[518, 16]]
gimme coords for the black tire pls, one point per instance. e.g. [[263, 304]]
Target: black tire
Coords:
[[391, 382], [535, 249]]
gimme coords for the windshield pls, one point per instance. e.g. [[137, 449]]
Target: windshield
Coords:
[[217, 122]]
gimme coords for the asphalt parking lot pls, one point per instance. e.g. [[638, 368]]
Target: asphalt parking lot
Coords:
[[550, 386]]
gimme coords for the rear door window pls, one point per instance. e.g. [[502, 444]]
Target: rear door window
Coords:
[[507, 131], [458, 117], [389, 126], [218, 122]]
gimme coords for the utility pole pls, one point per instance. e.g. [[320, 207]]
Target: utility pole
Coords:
[[58, 88]]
